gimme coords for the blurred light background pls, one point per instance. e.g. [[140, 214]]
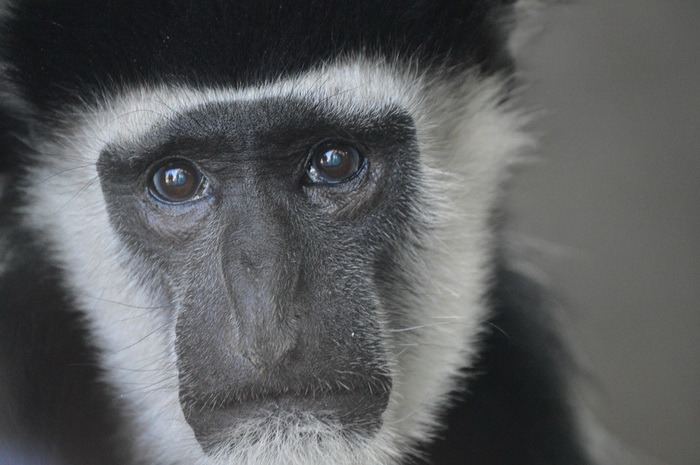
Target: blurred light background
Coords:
[[614, 206]]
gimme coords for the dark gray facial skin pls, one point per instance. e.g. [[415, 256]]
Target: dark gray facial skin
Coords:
[[276, 282]]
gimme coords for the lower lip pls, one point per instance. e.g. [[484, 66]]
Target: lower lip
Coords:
[[357, 412]]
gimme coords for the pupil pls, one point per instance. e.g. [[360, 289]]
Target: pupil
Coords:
[[334, 162], [175, 177], [333, 159], [178, 181]]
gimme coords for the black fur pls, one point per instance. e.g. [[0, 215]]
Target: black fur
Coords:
[[52, 406], [514, 407], [61, 51]]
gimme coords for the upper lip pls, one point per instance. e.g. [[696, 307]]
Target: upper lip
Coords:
[[376, 388]]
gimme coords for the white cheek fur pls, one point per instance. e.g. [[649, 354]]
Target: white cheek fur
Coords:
[[467, 139]]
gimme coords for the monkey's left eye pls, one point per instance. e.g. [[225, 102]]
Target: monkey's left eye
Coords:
[[333, 162], [177, 181]]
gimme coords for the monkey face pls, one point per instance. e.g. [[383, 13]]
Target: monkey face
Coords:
[[275, 264]]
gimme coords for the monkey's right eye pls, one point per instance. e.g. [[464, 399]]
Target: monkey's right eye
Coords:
[[177, 181], [334, 162]]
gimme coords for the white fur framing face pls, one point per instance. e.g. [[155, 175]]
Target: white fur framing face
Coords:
[[466, 137]]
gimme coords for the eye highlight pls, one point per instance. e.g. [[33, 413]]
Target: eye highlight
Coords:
[[334, 162], [176, 181]]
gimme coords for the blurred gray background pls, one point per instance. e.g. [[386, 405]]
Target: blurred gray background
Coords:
[[613, 209]]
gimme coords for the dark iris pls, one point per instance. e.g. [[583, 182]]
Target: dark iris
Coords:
[[334, 162], [176, 181]]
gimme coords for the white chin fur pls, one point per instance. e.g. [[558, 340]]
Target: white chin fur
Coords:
[[467, 139]]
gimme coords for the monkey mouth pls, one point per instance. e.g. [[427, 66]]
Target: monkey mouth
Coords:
[[304, 414]]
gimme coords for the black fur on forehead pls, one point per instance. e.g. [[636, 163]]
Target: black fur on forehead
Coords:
[[58, 50]]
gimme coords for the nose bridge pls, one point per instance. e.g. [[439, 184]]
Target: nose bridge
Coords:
[[261, 266]]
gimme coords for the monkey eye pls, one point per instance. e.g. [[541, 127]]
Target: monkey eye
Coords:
[[177, 181], [333, 162]]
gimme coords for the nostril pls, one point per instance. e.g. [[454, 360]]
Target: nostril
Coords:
[[267, 350]]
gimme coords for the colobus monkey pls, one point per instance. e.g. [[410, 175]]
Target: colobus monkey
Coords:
[[266, 232]]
